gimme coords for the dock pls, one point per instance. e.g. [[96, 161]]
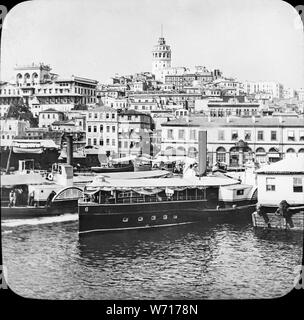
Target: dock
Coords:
[[277, 222]]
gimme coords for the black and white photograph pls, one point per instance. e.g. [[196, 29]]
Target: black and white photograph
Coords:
[[152, 150]]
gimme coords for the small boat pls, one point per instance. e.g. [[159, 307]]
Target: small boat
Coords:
[[114, 204], [114, 168]]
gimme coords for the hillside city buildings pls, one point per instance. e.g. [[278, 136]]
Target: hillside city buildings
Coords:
[[158, 112]]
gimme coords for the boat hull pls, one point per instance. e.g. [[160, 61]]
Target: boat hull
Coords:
[[24, 212], [112, 169], [148, 215]]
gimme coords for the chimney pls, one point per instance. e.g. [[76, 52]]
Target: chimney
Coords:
[[202, 152], [69, 149]]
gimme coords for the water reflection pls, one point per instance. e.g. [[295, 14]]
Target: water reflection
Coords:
[[185, 262]]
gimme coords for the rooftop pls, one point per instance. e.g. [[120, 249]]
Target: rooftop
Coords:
[[203, 121], [285, 166]]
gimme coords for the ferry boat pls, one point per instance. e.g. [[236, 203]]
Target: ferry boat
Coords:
[[40, 193], [113, 204]]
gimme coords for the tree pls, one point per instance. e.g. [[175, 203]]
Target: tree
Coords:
[[21, 111]]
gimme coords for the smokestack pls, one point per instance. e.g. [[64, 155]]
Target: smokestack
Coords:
[[202, 152], [69, 149]]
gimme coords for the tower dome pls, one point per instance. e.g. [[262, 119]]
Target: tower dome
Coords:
[[161, 58]]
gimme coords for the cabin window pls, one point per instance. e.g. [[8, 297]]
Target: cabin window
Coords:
[[240, 192], [175, 217], [297, 185], [165, 217], [140, 219], [270, 184], [125, 219], [153, 217]]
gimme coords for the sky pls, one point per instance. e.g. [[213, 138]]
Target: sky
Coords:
[[254, 40]]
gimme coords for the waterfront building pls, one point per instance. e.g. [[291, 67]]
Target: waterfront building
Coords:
[[134, 133], [102, 129], [282, 180], [235, 140]]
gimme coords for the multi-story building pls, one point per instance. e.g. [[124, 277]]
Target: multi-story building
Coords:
[[118, 133], [275, 89], [135, 130], [41, 90], [102, 129], [48, 116], [11, 128], [236, 140]]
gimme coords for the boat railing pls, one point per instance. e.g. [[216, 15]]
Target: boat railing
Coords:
[[159, 199]]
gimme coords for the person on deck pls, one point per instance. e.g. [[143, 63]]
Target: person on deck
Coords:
[[12, 198]]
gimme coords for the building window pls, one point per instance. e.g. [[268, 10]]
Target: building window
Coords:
[[234, 135], [260, 135], [101, 142], [119, 144], [291, 136], [107, 116], [247, 135], [89, 141], [90, 115], [113, 129], [95, 115], [193, 134], [273, 135], [95, 129], [169, 134], [126, 144], [297, 185], [221, 154], [108, 128], [270, 184], [113, 142], [221, 135], [181, 134], [108, 142], [89, 129], [113, 115], [301, 135], [94, 141], [101, 128]]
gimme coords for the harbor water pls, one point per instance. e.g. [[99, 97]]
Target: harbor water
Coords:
[[46, 259]]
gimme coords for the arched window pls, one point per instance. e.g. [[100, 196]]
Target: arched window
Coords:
[[192, 152], [221, 154], [273, 155], [234, 157], [181, 151], [301, 151], [290, 150], [170, 151]]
